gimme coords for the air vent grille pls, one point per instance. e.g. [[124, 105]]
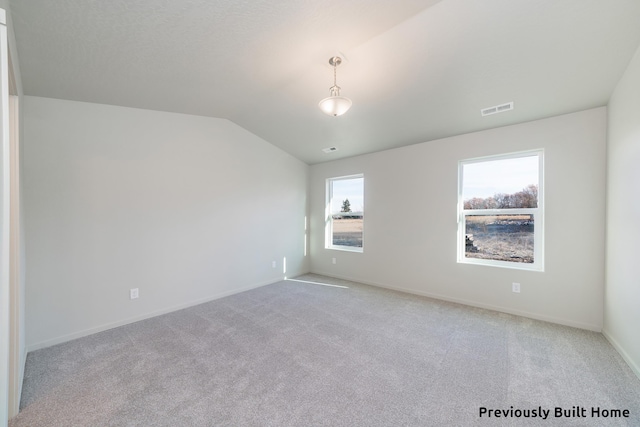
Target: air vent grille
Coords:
[[497, 109]]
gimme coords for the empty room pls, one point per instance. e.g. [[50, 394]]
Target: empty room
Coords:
[[320, 213]]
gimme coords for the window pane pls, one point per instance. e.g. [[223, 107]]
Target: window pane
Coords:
[[499, 237], [347, 211], [347, 231], [501, 184]]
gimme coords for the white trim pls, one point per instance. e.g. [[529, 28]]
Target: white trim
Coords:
[[5, 215], [328, 235], [354, 249], [352, 176], [625, 356], [538, 214], [504, 156], [16, 369]]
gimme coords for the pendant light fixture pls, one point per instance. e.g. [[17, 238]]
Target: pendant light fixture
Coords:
[[335, 105]]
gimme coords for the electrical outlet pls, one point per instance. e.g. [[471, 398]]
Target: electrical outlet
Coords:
[[133, 293], [515, 287], [273, 264], [333, 260]]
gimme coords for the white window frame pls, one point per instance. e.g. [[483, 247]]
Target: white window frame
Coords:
[[329, 217], [538, 215]]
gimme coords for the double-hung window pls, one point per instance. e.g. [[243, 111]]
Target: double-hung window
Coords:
[[345, 213], [500, 208]]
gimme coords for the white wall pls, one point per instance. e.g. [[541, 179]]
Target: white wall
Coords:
[[622, 291], [184, 208], [411, 219]]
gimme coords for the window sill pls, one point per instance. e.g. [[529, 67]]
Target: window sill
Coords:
[[502, 264], [345, 248]]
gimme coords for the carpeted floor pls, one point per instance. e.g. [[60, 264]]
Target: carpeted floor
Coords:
[[323, 352]]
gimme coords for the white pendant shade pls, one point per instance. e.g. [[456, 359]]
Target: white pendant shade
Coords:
[[335, 105]]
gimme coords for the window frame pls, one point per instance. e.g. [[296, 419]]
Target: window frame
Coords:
[[537, 213], [329, 217]]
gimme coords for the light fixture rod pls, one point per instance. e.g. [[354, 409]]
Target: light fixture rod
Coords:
[[335, 89], [335, 61]]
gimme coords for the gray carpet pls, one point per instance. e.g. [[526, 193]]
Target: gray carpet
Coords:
[[304, 354]]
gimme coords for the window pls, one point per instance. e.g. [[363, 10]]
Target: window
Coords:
[[345, 213], [501, 218]]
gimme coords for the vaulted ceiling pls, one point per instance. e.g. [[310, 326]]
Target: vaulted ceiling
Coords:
[[416, 70]]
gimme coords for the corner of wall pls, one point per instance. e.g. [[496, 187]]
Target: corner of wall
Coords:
[[621, 316], [623, 353]]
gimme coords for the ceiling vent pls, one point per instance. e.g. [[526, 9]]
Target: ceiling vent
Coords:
[[330, 149], [497, 109]]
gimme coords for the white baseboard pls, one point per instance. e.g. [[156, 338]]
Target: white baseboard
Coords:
[[86, 332], [625, 356], [551, 319]]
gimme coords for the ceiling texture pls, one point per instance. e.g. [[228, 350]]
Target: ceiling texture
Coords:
[[416, 70]]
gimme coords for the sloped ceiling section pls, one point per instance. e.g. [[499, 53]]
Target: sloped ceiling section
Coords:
[[416, 70]]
